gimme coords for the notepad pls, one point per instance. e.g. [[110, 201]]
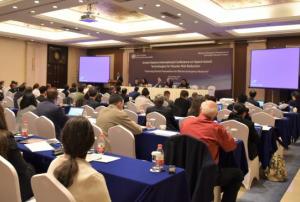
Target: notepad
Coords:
[[165, 133], [39, 146], [101, 158]]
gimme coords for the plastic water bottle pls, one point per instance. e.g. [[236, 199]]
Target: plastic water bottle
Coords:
[[24, 129], [160, 160], [100, 144]]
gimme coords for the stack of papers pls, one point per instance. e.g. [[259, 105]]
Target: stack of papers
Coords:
[[101, 158], [165, 133], [39, 146]]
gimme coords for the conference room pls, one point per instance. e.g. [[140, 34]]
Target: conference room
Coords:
[[149, 100]]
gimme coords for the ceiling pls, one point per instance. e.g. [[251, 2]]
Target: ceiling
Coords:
[[132, 22]]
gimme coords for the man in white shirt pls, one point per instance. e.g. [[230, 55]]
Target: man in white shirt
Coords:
[[143, 99]]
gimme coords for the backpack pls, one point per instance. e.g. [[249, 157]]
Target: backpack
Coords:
[[276, 171]]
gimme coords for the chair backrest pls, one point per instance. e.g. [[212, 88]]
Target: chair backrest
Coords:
[[248, 104], [132, 107], [10, 119], [60, 100], [274, 112], [47, 188], [269, 105], [226, 101], [105, 99], [263, 118], [145, 106], [45, 127], [211, 90], [159, 119], [122, 141], [254, 109], [223, 114], [239, 131], [89, 110], [182, 120], [132, 115], [98, 109], [10, 94], [8, 102], [9, 183], [62, 95], [30, 118]]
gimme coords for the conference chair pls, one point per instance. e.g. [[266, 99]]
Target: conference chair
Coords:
[[182, 120], [241, 132], [8, 102], [30, 118], [62, 95], [145, 106], [47, 188], [226, 102], [248, 104], [269, 105], [10, 119], [89, 110], [60, 100], [283, 106], [159, 119], [45, 127], [223, 114], [98, 109], [105, 98], [10, 94], [121, 141], [132, 107], [132, 115], [254, 109], [9, 183], [211, 90], [277, 113]]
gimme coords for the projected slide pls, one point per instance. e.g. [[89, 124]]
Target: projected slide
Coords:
[[275, 68], [94, 69]]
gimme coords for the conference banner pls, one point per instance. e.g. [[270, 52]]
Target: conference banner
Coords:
[[202, 67]]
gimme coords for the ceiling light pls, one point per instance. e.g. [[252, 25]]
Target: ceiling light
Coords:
[[15, 7], [163, 16], [178, 14], [51, 23], [32, 11], [88, 33], [173, 37], [196, 21], [54, 6], [181, 23], [100, 43], [36, 2], [98, 32], [67, 29], [141, 7], [157, 5], [182, 44], [42, 24], [80, 1]]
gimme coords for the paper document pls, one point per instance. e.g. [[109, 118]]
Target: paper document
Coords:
[[164, 133], [39, 146], [266, 127], [100, 158]]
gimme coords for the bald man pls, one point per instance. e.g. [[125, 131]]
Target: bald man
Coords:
[[215, 137]]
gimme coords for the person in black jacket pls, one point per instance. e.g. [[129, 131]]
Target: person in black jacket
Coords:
[[9, 150], [182, 104], [92, 95], [239, 113], [125, 95], [295, 102], [165, 111], [252, 95]]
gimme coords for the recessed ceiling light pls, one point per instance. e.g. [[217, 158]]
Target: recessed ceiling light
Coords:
[[98, 32], [157, 5], [141, 7], [67, 29], [88, 33], [42, 24], [31, 40], [80, 1], [32, 11], [51, 23], [54, 6], [36, 2], [76, 27], [196, 21], [181, 23], [163, 16], [178, 14], [15, 7]]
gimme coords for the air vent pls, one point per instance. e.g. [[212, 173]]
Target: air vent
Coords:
[[170, 15]]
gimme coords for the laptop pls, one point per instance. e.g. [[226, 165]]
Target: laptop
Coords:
[[75, 111]]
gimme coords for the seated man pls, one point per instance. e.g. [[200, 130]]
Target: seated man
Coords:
[[135, 93], [42, 96], [143, 99], [165, 111], [125, 95], [241, 99], [91, 101], [216, 137], [252, 95], [239, 113], [53, 112], [182, 104], [114, 115]]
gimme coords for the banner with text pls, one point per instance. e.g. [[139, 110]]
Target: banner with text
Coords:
[[202, 67]]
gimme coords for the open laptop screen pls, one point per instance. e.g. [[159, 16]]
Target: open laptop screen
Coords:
[[75, 111]]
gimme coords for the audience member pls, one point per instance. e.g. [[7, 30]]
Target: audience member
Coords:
[[92, 98], [194, 94], [48, 85], [119, 79], [182, 104], [18, 95], [167, 95], [114, 115], [210, 97], [73, 88], [183, 84], [42, 97], [295, 102], [66, 90], [72, 170], [28, 104], [241, 99], [13, 86], [79, 95], [159, 83], [86, 88], [169, 83], [165, 111], [125, 95], [9, 151], [135, 93], [49, 109], [216, 137], [144, 82], [35, 90], [239, 113], [252, 95], [143, 99], [194, 110]]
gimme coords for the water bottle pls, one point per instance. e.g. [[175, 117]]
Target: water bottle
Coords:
[[100, 144], [24, 129], [160, 160]]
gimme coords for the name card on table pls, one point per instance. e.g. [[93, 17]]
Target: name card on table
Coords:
[[39, 146], [165, 133], [101, 158]]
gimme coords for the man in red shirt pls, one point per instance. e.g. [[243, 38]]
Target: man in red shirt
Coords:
[[215, 137]]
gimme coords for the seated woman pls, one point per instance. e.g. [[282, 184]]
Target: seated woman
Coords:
[[239, 114], [27, 104], [9, 150], [72, 170], [183, 84]]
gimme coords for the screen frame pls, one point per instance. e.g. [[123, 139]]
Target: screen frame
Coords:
[[100, 56], [249, 84]]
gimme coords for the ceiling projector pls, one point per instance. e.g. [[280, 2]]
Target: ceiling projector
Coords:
[[88, 17]]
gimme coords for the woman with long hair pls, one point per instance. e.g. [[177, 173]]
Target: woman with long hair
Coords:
[[27, 104], [9, 150], [72, 170]]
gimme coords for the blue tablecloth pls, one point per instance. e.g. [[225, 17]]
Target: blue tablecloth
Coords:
[[284, 128], [147, 142], [294, 119], [127, 179], [142, 119]]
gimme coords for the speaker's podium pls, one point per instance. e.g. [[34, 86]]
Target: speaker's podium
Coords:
[[112, 82]]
